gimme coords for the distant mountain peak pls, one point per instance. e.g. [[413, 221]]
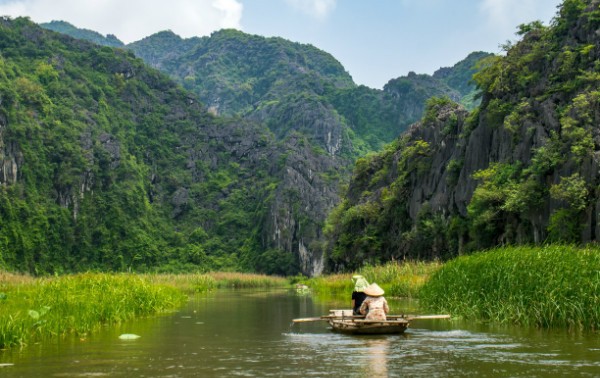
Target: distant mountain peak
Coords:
[[89, 35]]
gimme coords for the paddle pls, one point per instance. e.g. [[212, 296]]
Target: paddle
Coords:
[[302, 320], [407, 317], [326, 317], [419, 317]]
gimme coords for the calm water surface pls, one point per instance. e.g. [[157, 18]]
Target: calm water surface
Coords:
[[249, 334]]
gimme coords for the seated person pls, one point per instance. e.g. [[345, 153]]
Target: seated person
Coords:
[[358, 295], [374, 306]]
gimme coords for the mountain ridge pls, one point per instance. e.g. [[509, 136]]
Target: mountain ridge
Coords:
[[521, 168], [247, 192]]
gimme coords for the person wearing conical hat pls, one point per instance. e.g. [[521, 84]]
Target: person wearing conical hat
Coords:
[[374, 306], [358, 295]]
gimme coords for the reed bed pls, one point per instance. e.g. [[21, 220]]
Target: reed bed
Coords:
[[209, 281], [552, 286], [398, 279], [37, 309]]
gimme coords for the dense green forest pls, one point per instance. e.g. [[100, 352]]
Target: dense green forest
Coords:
[[110, 165], [89, 35], [235, 73], [520, 168], [107, 164]]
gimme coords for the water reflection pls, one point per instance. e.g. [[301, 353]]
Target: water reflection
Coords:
[[244, 333], [377, 357]]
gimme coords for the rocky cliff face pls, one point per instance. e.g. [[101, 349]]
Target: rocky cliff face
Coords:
[[256, 187], [522, 168], [233, 72]]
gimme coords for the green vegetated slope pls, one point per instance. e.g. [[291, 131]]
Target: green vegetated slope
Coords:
[[459, 77], [66, 28], [235, 73], [320, 120], [521, 168], [107, 164]]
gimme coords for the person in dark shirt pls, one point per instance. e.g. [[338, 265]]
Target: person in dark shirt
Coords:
[[358, 295]]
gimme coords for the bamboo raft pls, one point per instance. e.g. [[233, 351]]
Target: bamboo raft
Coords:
[[344, 322]]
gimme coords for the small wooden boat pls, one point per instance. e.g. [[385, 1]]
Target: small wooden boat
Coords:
[[344, 321], [369, 327]]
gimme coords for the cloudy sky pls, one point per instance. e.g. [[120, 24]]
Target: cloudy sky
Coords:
[[375, 40]]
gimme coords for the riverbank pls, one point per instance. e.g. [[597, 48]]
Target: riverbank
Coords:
[[549, 287], [555, 286], [199, 283], [36, 309], [397, 279]]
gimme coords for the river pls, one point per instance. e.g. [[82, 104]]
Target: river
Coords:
[[244, 333]]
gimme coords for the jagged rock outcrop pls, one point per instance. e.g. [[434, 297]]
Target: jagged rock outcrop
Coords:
[[522, 168], [141, 175]]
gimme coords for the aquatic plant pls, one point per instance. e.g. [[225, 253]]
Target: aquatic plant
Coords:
[[209, 281], [398, 279], [551, 286], [36, 309], [247, 280]]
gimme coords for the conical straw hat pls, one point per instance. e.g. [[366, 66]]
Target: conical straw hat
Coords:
[[360, 283], [374, 290]]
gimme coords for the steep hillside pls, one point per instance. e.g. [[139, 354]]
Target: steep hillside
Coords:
[[235, 73], [89, 35], [107, 164], [313, 121], [232, 71], [522, 168], [269, 79], [459, 77]]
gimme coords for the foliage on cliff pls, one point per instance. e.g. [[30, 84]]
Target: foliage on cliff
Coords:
[[299, 91], [109, 40], [521, 168], [236, 73], [107, 164], [305, 122], [232, 71]]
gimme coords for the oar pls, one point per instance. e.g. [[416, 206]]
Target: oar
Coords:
[[302, 320], [326, 317], [419, 317]]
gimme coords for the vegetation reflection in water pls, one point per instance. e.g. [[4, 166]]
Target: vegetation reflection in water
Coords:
[[36, 309], [247, 332]]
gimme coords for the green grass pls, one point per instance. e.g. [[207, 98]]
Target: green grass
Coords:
[[397, 279], [32, 310], [210, 281], [553, 286]]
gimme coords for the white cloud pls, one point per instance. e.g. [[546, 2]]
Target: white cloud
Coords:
[[132, 20], [318, 9], [505, 15]]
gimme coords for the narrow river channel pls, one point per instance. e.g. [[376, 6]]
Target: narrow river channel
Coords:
[[243, 333]]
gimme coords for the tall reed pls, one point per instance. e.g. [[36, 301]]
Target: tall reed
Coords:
[[209, 281], [41, 308], [553, 286], [399, 279]]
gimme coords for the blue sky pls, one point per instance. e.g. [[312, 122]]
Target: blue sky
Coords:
[[375, 40]]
